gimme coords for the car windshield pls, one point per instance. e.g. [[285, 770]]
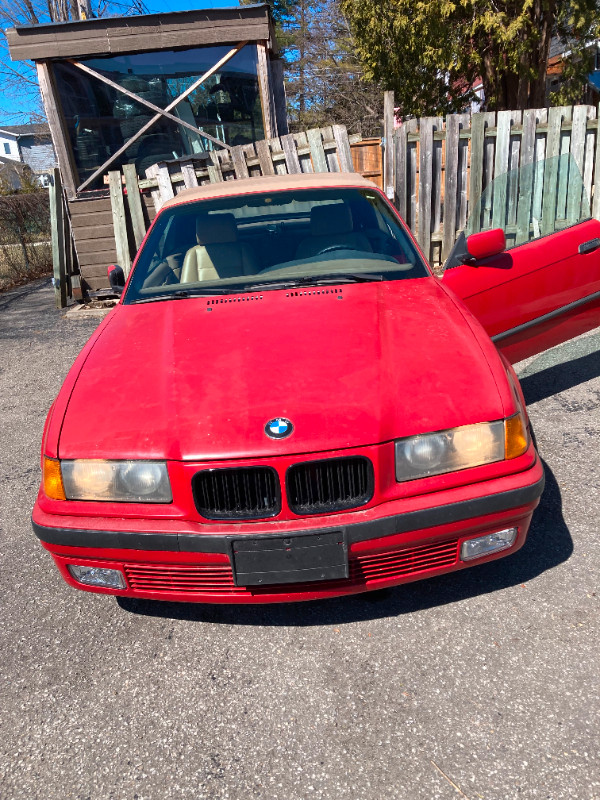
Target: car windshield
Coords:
[[273, 239]]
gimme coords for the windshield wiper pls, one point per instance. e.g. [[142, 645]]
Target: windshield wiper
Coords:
[[183, 294], [316, 280]]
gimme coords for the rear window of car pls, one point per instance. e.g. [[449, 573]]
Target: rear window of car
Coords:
[[231, 243]]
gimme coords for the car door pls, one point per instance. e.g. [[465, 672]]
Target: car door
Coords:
[[543, 287]]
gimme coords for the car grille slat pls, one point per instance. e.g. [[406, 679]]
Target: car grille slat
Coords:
[[237, 493], [217, 579], [333, 484]]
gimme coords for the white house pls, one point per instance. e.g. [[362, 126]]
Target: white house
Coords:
[[29, 144]]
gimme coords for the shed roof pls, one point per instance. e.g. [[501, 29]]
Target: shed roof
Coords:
[[161, 31], [274, 183]]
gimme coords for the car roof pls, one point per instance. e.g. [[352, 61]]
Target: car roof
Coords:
[[272, 183]]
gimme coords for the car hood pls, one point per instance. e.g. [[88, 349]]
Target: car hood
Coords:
[[198, 378]]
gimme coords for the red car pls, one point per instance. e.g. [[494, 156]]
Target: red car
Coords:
[[287, 404]]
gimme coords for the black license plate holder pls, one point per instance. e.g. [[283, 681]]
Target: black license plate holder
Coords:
[[296, 558]]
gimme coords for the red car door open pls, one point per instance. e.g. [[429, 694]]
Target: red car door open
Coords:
[[539, 284]]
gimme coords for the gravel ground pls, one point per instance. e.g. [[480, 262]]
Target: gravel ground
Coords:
[[481, 684]]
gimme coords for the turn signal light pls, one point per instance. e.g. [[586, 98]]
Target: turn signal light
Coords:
[[516, 440], [52, 479]]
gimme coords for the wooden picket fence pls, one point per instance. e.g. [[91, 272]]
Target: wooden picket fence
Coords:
[[436, 168], [318, 150]]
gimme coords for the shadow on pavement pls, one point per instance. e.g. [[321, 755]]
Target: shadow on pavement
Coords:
[[549, 544], [560, 377]]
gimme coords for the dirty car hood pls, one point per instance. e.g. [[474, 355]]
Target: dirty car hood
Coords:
[[198, 378]]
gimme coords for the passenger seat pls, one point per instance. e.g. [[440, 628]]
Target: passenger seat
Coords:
[[218, 253]]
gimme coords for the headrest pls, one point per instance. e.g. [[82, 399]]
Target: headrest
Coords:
[[331, 219], [216, 229]]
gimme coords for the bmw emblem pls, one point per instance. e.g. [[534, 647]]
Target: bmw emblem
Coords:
[[278, 428]]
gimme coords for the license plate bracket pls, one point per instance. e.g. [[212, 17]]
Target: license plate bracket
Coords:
[[296, 558]]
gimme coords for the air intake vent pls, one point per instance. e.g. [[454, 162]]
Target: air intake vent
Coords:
[[242, 493], [334, 484]]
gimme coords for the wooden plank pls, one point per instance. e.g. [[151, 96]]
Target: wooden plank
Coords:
[[500, 193], [330, 148], [92, 206], [463, 167], [165, 187], [451, 184], [412, 126], [436, 186], [514, 149], [340, 134], [119, 221], [134, 202], [58, 240], [188, 172], [98, 219], [476, 177], [388, 149], [291, 156], [94, 231], [525, 199], [315, 142], [277, 156], [58, 129], [551, 174], [303, 149], [400, 169], [574, 191], [239, 162], [103, 258], [489, 151], [264, 87], [588, 165], [214, 169], [264, 156], [425, 182], [596, 197]]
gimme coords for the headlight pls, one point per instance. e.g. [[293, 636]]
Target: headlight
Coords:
[[456, 449], [121, 481]]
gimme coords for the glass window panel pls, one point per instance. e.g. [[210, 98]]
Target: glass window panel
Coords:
[[100, 119], [532, 202]]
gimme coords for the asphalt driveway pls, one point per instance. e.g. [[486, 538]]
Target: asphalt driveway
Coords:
[[481, 684]]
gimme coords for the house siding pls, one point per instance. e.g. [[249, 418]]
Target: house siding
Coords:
[[39, 155]]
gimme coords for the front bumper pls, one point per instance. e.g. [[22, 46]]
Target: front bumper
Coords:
[[173, 561]]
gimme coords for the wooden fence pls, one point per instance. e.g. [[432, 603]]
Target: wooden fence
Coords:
[[317, 150], [436, 168]]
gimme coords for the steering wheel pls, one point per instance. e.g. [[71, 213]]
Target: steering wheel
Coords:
[[333, 247]]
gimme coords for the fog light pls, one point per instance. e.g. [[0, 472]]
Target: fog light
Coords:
[[98, 576], [491, 543]]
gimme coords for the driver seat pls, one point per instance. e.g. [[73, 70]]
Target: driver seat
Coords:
[[331, 225]]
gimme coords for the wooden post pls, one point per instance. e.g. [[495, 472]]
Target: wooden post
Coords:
[[58, 239], [119, 223], [134, 202], [58, 130], [264, 85], [388, 144]]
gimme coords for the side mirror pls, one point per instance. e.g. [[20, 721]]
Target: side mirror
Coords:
[[486, 244], [469, 250], [116, 277]]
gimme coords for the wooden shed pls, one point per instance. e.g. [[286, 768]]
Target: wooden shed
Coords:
[[147, 89]]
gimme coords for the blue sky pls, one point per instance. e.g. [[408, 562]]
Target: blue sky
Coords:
[[15, 109]]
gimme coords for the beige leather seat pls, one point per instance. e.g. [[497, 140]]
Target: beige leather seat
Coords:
[[218, 253], [331, 226]]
